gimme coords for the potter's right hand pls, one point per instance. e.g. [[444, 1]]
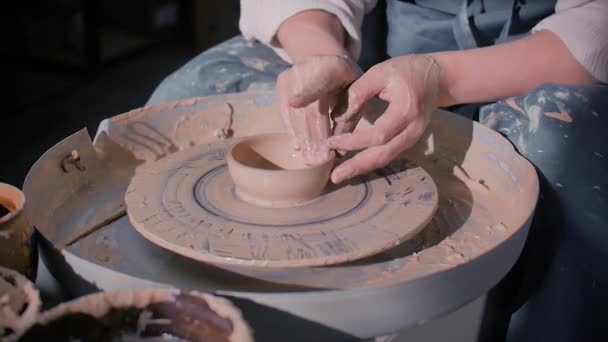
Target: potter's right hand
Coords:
[[307, 93]]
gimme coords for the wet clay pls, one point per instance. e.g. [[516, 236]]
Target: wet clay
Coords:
[[267, 152], [143, 314], [267, 171], [188, 204]]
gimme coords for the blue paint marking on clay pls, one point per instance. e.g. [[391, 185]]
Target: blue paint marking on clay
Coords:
[[206, 205]]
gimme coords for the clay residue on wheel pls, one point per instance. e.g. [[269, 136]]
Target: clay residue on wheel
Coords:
[[487, 192]]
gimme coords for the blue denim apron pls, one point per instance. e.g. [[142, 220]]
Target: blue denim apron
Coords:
[[424, 26]]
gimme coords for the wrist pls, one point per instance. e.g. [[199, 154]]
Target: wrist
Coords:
[[311, 33], [448, 78], [300, 52]]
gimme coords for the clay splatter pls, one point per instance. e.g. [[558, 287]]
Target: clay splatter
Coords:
[[255, 63], [562, 116], [562, 95], [534, 114], [511, 102]]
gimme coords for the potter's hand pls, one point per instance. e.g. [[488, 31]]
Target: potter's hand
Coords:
[[307, 92], [410, 85]]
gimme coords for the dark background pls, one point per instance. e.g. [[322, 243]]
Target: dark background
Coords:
[[68, 64]]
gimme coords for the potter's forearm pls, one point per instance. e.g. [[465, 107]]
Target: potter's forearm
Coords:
[[505, 70], [311, 33]]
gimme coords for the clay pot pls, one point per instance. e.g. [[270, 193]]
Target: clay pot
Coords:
[[267, 171], [19, 304], [17, 242], [148, 314]]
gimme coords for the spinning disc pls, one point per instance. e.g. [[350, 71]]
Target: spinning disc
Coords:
[[186, 203]]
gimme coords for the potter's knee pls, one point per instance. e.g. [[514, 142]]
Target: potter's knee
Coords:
[[161, 92]]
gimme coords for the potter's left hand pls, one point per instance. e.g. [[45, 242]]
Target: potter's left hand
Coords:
[[410, 85], [307, 92]]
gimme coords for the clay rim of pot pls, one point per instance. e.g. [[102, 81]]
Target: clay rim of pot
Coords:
[[13, 200], [279, 136], [258, 162]]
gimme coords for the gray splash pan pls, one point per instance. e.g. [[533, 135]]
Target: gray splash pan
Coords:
[[487, 198]]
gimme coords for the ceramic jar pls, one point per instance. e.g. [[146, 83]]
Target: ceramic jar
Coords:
[[17, 239]]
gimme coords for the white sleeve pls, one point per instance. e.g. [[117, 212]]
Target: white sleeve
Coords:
[[260, 19], [583, 27]]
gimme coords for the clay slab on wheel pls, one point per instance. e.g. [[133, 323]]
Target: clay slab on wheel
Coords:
[[186, 203]]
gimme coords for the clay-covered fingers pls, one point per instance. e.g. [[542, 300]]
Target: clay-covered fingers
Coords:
[[357, 99], [316, 117], [284, 90], [307, 92], [410, 85], [308, 126], [394, 120], [378, 156], [319, 76]]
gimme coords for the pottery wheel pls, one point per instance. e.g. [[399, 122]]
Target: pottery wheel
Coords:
[[186, 203]]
